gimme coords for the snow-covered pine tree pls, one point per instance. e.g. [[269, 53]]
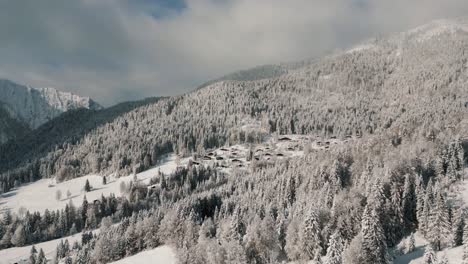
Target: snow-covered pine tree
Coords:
[[309, 235], [409, 204], [374, 246], [429, 255], [458, 227], [335, 249], [41, 259], [439, 233], [410, 244]]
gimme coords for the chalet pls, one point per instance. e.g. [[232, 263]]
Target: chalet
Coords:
[[290, 149], [224, 149], [280, 155], [206, 158], [284, 139], [327, 142], [219, 158], [195, 163], [333, 137], [211, 154], [237, 161], [267, 154]]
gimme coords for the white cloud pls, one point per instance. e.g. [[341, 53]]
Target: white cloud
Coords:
[[115, 50]]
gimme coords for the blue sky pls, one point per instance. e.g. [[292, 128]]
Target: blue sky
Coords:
[[117, 50]]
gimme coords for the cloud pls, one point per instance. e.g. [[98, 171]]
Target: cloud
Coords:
[[115, 50]]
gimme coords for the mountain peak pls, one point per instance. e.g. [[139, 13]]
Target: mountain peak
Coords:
[[439, 27], [35, 106]]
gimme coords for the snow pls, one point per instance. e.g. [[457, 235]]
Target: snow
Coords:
[[362, 47], [40, 195], [459, 196], [18, 254], [438, 27], [163, 254], [36, 106]]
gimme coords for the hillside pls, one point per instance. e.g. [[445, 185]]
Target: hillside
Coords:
[[399, 85], [339, 159]]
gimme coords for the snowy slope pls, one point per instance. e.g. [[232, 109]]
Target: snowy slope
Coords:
[[163, 255], [35, 106], [41, 195], [20, 254], [454, 255]]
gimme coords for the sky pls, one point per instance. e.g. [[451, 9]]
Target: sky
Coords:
[[119, 50]]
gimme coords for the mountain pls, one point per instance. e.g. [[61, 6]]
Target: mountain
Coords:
[[29, 107], [406, 82], [338, 159], [259, 72]]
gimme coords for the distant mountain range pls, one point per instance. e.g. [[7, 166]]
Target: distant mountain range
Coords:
[[23, 108]]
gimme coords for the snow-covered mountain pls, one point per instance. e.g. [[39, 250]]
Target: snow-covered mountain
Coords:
[[336, 160], [32, 107]]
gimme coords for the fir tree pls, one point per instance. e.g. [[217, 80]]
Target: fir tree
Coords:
[[309, 236], [429, 255], [439, 232], [87, 187], [335, 249], [374, 246]]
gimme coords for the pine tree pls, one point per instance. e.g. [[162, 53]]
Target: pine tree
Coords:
[[409, 204], [374, 246], [32, 257], [335, 249], [104, 180], [429, 255], [410, 244], [87, 187], [428, 203], [458, 228], [41, 259], [439, 233], [19, 237], [309, 235]]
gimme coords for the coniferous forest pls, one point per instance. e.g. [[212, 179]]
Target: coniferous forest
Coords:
[[398, 107]]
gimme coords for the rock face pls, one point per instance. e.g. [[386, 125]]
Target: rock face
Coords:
[[29, 107]]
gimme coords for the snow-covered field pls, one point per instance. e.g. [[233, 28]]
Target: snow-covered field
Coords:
[[18, 254], [163, 255], [41, 195], [454, 255]]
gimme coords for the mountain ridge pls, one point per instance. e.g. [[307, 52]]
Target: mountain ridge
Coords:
[[33, 107]]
